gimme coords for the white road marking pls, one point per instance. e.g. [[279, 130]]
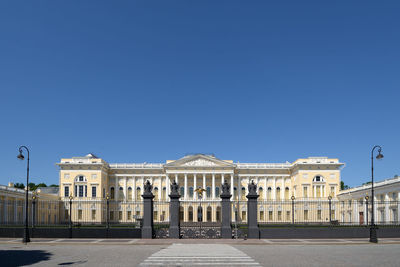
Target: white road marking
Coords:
[[55, 241], [199, 254], [97, 241]]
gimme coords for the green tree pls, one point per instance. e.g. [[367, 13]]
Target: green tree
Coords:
[[19, 185], [343, 186], [53, 185]]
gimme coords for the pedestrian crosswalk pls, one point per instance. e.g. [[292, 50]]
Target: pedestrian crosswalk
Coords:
[[199, 254]]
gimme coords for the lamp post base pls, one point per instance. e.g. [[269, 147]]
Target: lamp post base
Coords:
[[26, 238], [372, 234]]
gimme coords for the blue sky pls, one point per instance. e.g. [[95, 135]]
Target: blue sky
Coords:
[[251, 81]]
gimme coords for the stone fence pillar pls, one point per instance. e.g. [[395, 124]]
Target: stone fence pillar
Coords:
[[174, 222], [252, 224], [226, 228], [147, 228]]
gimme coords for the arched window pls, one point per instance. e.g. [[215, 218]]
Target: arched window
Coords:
[[155, 193], [260, 192], [121, 193], [318, 179], [217, 191], [182, 191], [208, 193], [191, 193], [278, 193], [129, 193], [287, 193], [80, 178], [234, 192], [112, 193], [138, 193], [269, 193]]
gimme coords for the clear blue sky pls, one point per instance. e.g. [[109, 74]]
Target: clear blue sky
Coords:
[[251, 81]]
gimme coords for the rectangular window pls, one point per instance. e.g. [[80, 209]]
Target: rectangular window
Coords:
[[76, 191], [119, 215], [305, 215], [85, 190], [79, 214], [93, 214], [279, 215], [129, 215], [104, 192], [93, 191], [319, 215], [332, 191], [81, 191], [305, 192], [270, 215], [66, 191], [155, 215]]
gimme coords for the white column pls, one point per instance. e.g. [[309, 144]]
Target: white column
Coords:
[[204, 181], [387, 214], [116, 190], [213, 188], [314, 191], [356, 213], [125, 189], [194, 188], [274, 190], [265, 191], [283, 189], [134, 188], [239, 191], [176, 178], [232, 185], [166, 186], [186, 188], [222, 179], [160, 189]]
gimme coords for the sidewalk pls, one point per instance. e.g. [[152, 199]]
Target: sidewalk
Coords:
[[93, 241]]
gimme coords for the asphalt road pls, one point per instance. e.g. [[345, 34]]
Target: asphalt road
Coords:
[[198, 252]]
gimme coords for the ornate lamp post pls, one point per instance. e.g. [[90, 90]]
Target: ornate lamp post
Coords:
[[70, 215], [293, 198], [330, 208], [34, 197], [107, 210], [200, 194], [366, 204], [372, 232], [26, 238]]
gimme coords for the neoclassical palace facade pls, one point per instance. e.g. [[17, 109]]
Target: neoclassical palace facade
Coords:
[[90, 177]]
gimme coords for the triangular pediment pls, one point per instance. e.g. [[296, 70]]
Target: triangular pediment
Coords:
[[199, 160]]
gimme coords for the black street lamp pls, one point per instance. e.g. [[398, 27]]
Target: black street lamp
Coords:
[[26, 238], [372, 230], [293, 198], [330, 209], [70, 216]]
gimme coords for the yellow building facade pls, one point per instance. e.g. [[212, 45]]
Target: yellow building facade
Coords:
[[92, 179]]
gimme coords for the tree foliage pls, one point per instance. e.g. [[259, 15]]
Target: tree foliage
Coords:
[[343, 186], [32, 186]]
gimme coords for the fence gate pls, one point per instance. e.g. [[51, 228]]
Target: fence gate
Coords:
[[197, 221]]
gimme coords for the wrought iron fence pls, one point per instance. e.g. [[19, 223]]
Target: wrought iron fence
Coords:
[[334, 212], [129, 213]]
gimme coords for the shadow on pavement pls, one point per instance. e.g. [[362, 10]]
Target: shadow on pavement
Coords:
[[22, 257]]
